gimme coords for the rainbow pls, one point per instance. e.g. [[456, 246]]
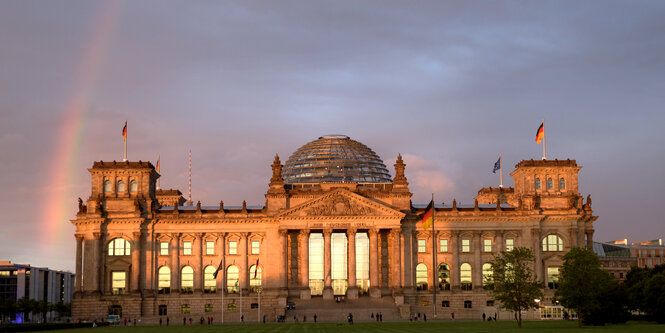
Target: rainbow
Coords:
[[59, 196]]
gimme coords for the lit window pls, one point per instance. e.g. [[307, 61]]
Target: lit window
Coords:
[[185, 308], [210, 248], [255, 247], [233, 247], [562, 184], [487, 273], [119, 247], [121, 186], [422, 247], [232, 275], [164, 280], [209, 283], [255, 278], [550, 185], [187, 248], [553, 277], [443, 245], [164, 248], [468, 304], [552, 243], [107, 186], [187, 279], [208, 307], [537, 183], [510, 244], [465, 276], [133, 186], [444, 277], [118, 283], [421, 277], [466, 245], [487, 245]]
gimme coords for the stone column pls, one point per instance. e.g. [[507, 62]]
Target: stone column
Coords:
[[303, 263], [197, 263], [174, 251], [352, 291], [393, 259], [477, 274], [136, 269], [79, 265], [284, 263], [98, 262], [589, 239], [572, 234], [538, 253], [327, 290], [374, 290], [455, 270], [244, 268]]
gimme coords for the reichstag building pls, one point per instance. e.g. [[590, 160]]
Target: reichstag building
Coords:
[[337, 232]]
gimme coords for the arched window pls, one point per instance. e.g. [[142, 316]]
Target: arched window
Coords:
[[562, 183], [444, 277], [255, 278], [552, 243], [107, 186], [537, 183], [232, 274], [133, 186], [187, 280], [465, 276], [209, 282], [487, 274], [164, 280], [550, 185], [121, 186], [119, 247], [421, 277]]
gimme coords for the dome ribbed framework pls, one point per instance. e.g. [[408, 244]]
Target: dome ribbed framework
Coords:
[[335, 159]]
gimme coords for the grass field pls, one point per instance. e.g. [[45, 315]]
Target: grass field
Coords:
[[420, 327]]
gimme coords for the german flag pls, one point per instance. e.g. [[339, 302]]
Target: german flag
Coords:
[[157, 166], [256, 270], [428, 217], [541, 133], [124, 132]]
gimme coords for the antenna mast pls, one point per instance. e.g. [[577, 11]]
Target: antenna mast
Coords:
[[190, 177]]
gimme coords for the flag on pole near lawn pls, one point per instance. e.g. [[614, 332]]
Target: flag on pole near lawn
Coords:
[[541, 133], [428, 217], [219, 268], [497, 165], [124, 132]]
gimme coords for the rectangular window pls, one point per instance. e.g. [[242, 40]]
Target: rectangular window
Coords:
[[487, 245], [553, 277], [466, 245], [256, 247], [233, 247], [422, 246], [490, 303], [118, 283], [163, 310], [210, 248], [187, 248], [510, 244], [164, 248], [443, 245], [208, 307], [445, 304], [468, 304], [185, 309]]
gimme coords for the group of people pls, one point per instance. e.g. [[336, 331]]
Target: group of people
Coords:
[[295, 319], [489, 317], [378, 317]]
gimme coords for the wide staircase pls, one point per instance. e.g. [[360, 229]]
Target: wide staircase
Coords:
[[332, 311]]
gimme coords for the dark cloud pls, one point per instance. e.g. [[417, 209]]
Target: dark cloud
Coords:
[[447, 84]]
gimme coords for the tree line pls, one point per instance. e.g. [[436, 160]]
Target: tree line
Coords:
[[595, 294], [9, 308]]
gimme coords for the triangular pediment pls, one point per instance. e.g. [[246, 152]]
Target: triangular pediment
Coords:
[[341, 203]]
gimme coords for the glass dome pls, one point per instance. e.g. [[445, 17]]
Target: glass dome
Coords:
[[335, 159]]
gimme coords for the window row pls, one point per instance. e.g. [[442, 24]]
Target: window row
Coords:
[[187, 308], [232, 248], [120, 186], [550, 184], [209, 279], [466, 245]]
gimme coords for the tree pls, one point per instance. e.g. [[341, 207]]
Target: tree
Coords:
[[512, 281], [655, 297], [586, 287]]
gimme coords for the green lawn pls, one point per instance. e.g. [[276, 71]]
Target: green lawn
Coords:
[[420, 327]]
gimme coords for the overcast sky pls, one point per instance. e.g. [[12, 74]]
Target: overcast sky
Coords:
[[449, 85]]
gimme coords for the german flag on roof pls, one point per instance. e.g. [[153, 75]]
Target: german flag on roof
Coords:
[[428, 217]]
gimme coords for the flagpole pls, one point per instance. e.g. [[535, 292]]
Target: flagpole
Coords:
[[124, 159], [500, 171], [544, 156], [435, 271], [223, 292]]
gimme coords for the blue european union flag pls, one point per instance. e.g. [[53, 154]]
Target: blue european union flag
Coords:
[[497, 165]]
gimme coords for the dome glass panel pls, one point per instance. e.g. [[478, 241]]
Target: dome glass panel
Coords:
[[335, 159]]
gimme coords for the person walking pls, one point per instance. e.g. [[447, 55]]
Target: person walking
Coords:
[[167, 321], [350, 318], [483, 316], [315, 317]]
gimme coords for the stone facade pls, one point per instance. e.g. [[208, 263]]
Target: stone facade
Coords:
[[136, 247]]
